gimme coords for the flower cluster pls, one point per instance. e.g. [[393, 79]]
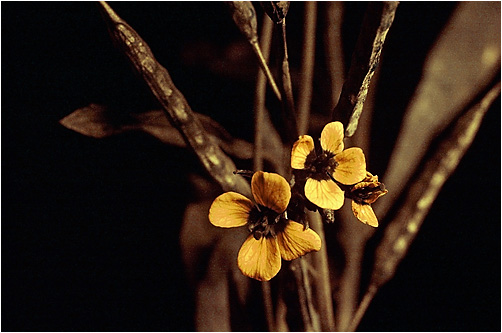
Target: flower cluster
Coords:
[[332, 173], [329, 173]]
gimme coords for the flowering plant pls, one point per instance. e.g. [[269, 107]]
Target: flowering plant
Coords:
[[278, 215]]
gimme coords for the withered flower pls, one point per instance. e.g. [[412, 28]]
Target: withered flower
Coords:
[[363, 194]]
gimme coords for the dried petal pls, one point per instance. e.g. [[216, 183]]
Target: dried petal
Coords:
[[365, 213]]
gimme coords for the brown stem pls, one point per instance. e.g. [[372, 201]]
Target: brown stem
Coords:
[[269, 308], [377, 21], [334, 48], [266, 70], [259, 107], [354, 235], [288, 104], [313, 314], [321, 280], [363, 306], [307, 70], [259, 100], [286, 74], [302, 295]]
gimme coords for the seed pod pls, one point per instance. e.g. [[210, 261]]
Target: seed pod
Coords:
[[244, 16], [276, 10], [174, 104], [402, 230]]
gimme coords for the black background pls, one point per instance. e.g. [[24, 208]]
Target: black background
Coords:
[[90, 227]]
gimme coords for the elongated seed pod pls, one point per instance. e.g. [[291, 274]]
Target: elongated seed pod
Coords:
[[244, 16], [276, 10], [402, 230], [377, 22], [174, 104]]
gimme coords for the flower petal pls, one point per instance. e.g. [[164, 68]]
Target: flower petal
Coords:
[[324, 193], [259, 259], [271, 190], [301, 149], [351, 166], [365, 214], [230, 210], [332, 137], [295, 242]]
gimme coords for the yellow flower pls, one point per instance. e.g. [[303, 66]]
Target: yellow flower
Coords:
[[363, 194], [328, 164], [272, 235]]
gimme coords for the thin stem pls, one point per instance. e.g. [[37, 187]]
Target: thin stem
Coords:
[[302, 296], [314, 316], [307, 70], [425, 187], [259, 108], [259, 100], [286, 74], [269, 308], [334, 48], [324, 301], [266, 69], [363, 306], [288, 104]]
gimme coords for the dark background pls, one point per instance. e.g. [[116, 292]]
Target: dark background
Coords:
[[90, 227]]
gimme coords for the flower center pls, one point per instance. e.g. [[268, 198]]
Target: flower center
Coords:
[[263, 221], [320, 165]]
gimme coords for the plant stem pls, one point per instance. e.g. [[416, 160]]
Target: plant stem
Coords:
[[259, 108], [302, 295], [288, 104], [334, 48], [324, 301], [259, 100], [286, 74], [269, 308], [307, 70], [363, 306], [266, 69], [314, 316]]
